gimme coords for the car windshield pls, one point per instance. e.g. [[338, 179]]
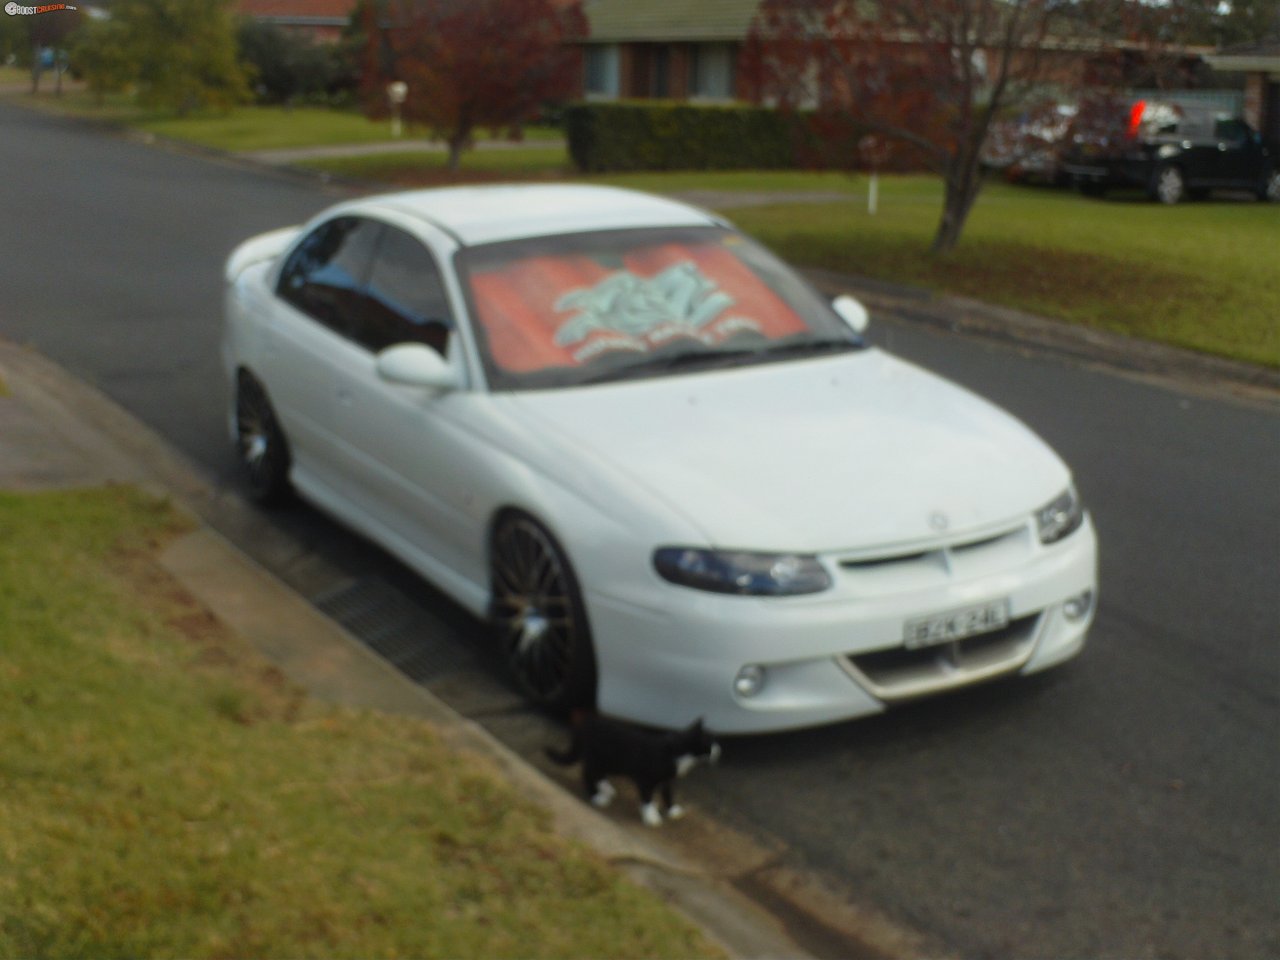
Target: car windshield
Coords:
[[593, 307]]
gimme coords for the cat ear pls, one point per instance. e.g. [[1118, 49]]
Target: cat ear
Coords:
[[697, 725]]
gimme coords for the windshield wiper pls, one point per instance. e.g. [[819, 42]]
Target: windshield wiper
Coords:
[[709, 359], [664, 363], [800, 347]]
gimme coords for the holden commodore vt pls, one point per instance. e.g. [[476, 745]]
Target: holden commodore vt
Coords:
[[672, 476]]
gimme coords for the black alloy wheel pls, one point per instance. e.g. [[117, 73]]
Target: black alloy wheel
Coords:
[[260, 443], [538, 613]]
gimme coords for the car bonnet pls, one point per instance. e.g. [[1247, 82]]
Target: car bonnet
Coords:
[[849, 452]]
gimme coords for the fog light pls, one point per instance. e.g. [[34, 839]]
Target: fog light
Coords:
[[749, 681], [1077, 608]]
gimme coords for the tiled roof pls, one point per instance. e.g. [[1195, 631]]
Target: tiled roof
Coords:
[[1264, 56], [670, 20], [309, 10], [1269, 47]]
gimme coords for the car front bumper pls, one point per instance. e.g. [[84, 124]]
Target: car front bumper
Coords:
[[673, 654]]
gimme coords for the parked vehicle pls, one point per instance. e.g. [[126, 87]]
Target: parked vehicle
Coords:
[[1028, 148], [1170, 150], [674, 478]]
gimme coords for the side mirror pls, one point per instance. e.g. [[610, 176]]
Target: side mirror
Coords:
[[851, 312], [413, 365]]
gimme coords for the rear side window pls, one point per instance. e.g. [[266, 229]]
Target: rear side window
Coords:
[[406, 296], [1232, 130], [325, 275]]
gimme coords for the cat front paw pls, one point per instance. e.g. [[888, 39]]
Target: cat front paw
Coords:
[[650, 815], [675, 812], [605, 792]]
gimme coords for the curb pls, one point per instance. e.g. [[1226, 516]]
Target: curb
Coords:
[[122, 131], [111, 446], [1103, 348]]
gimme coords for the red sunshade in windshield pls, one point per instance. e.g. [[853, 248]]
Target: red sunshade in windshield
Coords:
[[555, 311]]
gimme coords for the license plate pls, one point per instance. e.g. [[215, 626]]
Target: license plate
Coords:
[[956, 625]]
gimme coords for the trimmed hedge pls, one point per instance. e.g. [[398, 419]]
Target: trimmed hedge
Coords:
[[664, 135]]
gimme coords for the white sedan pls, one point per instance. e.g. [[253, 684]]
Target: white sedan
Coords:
[[673, 477]]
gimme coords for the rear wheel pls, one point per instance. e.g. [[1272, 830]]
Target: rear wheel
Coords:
[[260, 443], [1270, 189], [539, 616], [1168, 185]]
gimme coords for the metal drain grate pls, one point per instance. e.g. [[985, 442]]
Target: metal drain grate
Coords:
[[397, 629]]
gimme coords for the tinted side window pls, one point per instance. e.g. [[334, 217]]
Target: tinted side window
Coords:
[[325, 276], [407, 301], [1232, 131]]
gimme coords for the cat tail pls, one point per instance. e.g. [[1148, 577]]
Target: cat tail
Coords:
[[567, 758]]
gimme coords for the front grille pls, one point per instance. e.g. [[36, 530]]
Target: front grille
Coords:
[[883, 574], [898, 673]]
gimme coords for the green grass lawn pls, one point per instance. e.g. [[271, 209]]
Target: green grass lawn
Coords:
[[1199, 275], [422, 168], [242, 128], [169, 793], [271, 128]]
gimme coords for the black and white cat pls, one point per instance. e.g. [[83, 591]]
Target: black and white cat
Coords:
[[651, 760]]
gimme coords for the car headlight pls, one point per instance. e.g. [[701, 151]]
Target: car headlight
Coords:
[[741, 572], [1060, 517]]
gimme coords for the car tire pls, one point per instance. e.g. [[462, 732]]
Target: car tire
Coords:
[[1270, 189], [1168, 185], [260, 443], [538, 615]]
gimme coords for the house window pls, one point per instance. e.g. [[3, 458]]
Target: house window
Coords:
[[660, 77], [601, 62], [711, 71]]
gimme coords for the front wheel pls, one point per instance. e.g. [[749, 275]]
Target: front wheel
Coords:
[[539, 616], [1168, 186]]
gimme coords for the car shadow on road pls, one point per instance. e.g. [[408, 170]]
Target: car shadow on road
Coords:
[[951, 717]]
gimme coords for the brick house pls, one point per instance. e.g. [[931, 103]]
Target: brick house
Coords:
[[678, 49], [1260, 64], [690, 50], [318, 20]]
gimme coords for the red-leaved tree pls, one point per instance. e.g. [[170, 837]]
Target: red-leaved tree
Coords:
[[931, 75], [471, 64]]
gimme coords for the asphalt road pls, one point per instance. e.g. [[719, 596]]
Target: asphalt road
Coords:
[[1126, 805]]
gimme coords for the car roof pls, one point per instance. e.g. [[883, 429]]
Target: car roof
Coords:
[[491, 214]]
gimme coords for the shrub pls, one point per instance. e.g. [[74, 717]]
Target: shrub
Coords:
[[663, 135], [667, 135], [289, 69]]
